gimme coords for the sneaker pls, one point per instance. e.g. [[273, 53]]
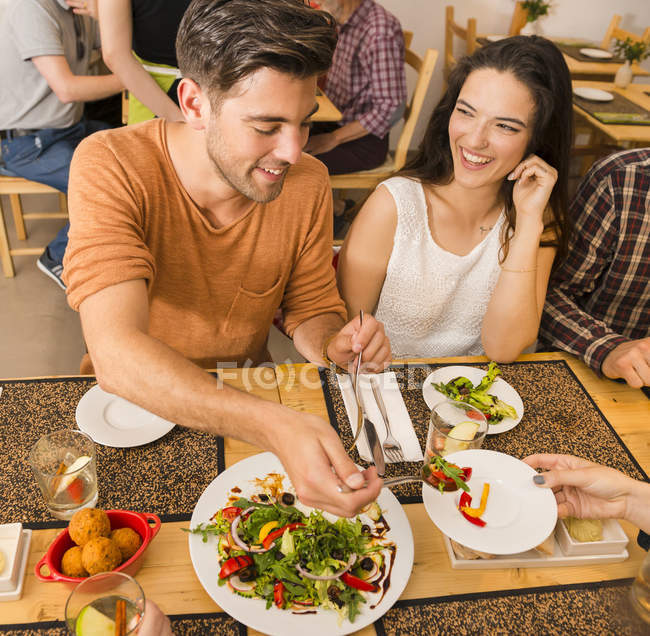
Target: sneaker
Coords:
[[51, 268]]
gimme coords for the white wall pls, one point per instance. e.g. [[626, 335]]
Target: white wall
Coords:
[[568, 18]]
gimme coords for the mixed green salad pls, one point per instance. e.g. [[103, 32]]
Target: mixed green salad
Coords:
[[461, 389], [269, 549]]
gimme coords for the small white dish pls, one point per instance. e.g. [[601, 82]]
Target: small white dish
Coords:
[[593, 94], [113, 421], [614, 540], [500, 388], [518, 515], [598, 54], [11, 536], [496, 38], [15, 593]]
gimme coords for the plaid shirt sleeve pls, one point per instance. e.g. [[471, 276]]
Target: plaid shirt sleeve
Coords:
[[383, 62], [565, 324]]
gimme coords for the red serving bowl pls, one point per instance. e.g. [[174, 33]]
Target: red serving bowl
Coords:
[[138, 521]]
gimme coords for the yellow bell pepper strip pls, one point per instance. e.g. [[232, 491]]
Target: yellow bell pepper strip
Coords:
[[265, 529], [478, 512]]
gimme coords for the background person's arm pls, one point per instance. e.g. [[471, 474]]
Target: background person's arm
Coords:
[[69, 87], [116, 28], [142, 369]]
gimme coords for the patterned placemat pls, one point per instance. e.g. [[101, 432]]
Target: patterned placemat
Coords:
[[165, 477], [217, 623], [585, 608], [573, 51], [620, 111], [559, 417]]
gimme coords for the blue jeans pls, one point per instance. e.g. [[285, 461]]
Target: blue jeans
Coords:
[[45, 157]]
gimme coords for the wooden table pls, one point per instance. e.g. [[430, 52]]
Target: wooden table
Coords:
[[167, 559], [326, 109], [627, 134]]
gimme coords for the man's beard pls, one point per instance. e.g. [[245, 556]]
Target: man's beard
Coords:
[[241, 184]]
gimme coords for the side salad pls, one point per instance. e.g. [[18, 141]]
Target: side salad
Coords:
[[269, 549], [462, 389]]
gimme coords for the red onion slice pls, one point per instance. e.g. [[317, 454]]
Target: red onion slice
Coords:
[[330, 577], [235, 537]]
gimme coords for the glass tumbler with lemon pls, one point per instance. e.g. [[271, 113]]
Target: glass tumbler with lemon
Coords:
[[454, 426]]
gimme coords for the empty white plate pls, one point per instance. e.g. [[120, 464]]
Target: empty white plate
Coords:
[[597, 53], [593, 94], [113, 421], [496, 38]]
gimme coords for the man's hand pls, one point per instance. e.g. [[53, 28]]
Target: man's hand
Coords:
[[317, 464], [630, 361], [320, 144], [369, 337]]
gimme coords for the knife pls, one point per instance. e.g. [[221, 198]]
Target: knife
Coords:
[[373, 440]]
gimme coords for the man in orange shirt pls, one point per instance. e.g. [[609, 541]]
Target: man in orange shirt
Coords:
[[186, 237]]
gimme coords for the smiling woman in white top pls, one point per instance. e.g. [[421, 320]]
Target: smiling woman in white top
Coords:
[[453, 255]]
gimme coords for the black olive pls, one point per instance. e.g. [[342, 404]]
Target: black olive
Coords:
[[279, 556], [337, 554], [367, 564], [333, 595], [264, 497], [247, 574], [288, 499], [365, 528]]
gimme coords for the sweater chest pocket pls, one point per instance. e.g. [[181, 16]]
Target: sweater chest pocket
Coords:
[[253, 311]]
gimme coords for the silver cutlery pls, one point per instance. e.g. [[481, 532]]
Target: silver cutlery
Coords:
[[391, 446], [373, 440], [356, 391]]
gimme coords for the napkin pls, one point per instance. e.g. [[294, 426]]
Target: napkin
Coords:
[[400, 422]]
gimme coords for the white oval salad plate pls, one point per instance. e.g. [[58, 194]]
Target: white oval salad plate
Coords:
[[598, 54], [113, 421], [500, 388], [519, 515], [593, 94], [252, 611]]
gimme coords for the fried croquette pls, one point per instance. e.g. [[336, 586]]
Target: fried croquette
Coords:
[[127, 540], [100, 554], [87, 524], [71, 564]]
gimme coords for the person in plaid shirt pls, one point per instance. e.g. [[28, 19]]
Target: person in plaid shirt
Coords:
[[366, 82], [598, 303]]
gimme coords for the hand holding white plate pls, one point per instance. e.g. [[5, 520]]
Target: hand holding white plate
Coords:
[[518, 516], [113, 421], [500, 388]]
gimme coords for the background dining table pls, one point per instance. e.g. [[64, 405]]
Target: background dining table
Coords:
[[629, 134], [168, 576]]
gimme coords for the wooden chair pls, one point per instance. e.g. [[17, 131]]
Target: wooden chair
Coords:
[[368, 179], [408, 38], [15, 187], [468, 34], [519, 19], [614, 32]]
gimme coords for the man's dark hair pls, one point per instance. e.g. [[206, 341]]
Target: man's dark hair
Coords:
[[220, 42]]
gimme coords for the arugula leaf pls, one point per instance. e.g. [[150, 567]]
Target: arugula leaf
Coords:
[[451, 471]]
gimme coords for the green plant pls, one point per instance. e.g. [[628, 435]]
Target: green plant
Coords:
[[536, 9], [631, 50]]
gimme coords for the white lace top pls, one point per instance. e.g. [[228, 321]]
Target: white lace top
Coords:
[[433, 302]]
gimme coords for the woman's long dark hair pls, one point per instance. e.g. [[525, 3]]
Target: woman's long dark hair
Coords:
[[538, 64]]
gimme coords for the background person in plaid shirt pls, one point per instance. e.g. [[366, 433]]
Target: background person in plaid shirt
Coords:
[[366, 82], [598, 303]]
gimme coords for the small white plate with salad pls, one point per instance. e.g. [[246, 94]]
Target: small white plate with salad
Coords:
[[517, 515], [231, 575], [500, 403]]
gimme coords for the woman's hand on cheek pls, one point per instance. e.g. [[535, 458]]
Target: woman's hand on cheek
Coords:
[[534, 181]]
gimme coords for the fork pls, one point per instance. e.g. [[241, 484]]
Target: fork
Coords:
[[392, 448], [356, 391]]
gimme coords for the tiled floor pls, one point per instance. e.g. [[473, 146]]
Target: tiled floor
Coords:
[[39, 334]]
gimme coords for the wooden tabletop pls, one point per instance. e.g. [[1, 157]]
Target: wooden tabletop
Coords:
[[168, 577], [326, 109], [629, 133]]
